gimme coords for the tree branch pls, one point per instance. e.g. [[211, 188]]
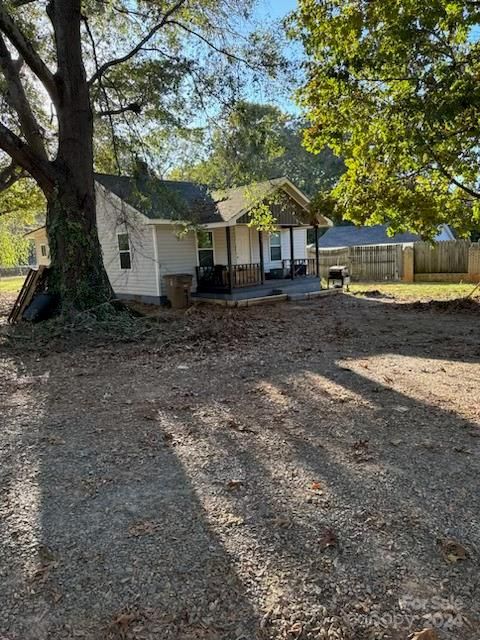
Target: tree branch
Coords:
[[27, 52], [224, 52], [10, 175], [451, 178], [135, 107], [22, 154], [111, 63], [17, 99]]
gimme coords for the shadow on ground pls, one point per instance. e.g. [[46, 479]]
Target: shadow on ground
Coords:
[[289, 477]]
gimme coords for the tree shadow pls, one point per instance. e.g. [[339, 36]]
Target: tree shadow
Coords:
[[195, 500], [102, 532]]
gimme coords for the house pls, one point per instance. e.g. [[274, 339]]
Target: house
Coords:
[[151, 228], [352, 236]]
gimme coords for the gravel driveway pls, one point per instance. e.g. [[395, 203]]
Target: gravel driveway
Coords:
[[307, 470]]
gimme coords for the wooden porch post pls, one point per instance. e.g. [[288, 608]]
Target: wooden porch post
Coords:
[[229, 259], [292, 266], [317, 256], [262, 262]]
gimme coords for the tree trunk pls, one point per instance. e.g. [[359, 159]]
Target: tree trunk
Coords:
[[77, 274]]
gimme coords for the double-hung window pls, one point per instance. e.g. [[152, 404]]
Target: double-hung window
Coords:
[[275, 246], [205, 248], [124, 251]]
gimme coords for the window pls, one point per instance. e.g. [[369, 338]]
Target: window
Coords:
[[43, 250], [275, 246], [124, 249], [205, 248]]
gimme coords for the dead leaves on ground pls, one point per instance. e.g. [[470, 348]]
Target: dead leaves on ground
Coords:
[[451, 550], [143, 528], [233, 485], [328, 539], [48, 562], [425, 634], [361, 451]]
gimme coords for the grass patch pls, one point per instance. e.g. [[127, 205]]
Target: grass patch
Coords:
[[11, 285], [417, 290]]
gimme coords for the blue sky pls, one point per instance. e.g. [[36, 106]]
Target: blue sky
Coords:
[[276, 8], [272, 11]]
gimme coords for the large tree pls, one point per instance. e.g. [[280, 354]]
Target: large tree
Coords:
[[81, 78], [253, 142], [393, 88]]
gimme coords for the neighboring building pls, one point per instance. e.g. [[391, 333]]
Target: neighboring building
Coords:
[[351, 236], [150, 228]]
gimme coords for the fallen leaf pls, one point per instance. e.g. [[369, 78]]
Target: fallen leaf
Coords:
[[451, 550], [425, 634], [401, 408], [142, 528], [462, 450], [328, 539], [282, 522], [234, 484], [124, 620], [315, 486], [361, 452]]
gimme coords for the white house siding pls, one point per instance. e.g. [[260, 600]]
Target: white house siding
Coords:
[[299, 246], [242, 253], [175, 254], [40, 239], [114, 217], [300, 243], [220, 246]]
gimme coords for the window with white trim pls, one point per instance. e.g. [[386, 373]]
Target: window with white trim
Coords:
[[275, 246], [43, 250], [124, 251], [205, 248]]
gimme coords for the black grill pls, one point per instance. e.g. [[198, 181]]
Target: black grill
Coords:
[[339, 276]]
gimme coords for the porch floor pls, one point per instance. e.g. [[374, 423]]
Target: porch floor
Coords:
[[271, 287]]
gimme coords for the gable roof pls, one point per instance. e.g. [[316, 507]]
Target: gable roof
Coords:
[[192, 202], [238, 200], [351, 236]]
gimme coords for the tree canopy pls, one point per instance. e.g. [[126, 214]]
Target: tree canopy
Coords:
[[87, 83], [392, 87], [254, 142]]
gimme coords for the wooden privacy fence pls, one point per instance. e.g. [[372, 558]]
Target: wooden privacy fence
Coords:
[[366, 263], [444, 257], [474, 262], [450, 261]]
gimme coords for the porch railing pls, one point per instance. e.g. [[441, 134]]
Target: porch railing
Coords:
[[302, 267], [246, 275], [217, 278]]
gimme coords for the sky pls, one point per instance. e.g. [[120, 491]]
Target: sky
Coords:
[[276, 8]]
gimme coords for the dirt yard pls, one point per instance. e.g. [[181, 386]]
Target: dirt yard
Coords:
[[304, 471]]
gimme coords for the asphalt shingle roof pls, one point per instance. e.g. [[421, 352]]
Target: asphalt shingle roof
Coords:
[[182, 200], [350, 236], [164, 199]]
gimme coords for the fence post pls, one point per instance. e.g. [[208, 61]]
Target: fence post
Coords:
[[408, 264], [474, 263]]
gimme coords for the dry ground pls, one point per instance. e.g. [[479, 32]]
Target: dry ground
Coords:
[[281, 472]]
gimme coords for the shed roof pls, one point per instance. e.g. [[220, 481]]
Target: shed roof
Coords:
[[351, 236]]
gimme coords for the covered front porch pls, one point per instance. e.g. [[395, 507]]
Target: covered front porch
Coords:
[[279, 260]]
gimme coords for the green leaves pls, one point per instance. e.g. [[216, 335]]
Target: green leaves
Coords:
[[393, 88], [255, 142], [20, 205]]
